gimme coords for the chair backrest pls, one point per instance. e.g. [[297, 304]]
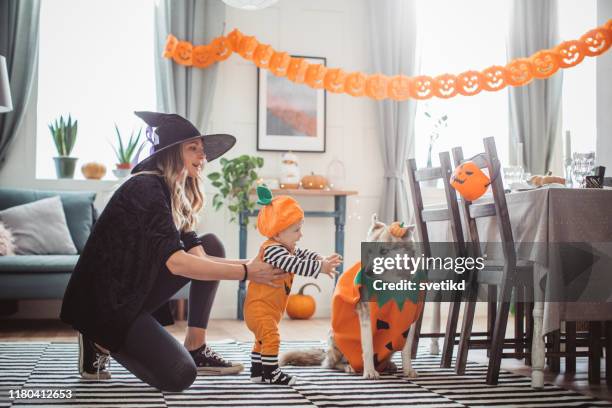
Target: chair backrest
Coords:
[[423, 215], [499, 207]]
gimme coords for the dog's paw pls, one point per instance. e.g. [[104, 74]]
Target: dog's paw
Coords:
[[371, 375], [390, 367], [434, 348], [348, 369], [410, 373]]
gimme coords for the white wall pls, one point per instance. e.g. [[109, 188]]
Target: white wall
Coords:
[[604, 95], [332, 29]]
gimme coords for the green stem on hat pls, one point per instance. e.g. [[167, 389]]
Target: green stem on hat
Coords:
[[264, 195]]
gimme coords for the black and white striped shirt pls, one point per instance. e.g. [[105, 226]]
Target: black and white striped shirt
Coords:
[[302, 262]]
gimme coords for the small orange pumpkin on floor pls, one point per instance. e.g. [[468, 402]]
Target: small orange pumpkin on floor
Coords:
[[470, 181], [301, 306]]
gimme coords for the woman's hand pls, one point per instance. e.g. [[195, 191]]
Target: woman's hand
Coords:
[[261, 272]]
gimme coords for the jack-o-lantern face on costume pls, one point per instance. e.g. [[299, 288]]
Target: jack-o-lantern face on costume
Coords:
[[495, 78], [545, 63], [445, 86], [597, 41], [572, 53], [520, 72], [422, 87], [469, 83], [334, 80], [399, 88], [355, 83], [469, 181]]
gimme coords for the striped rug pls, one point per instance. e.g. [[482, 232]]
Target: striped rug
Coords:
[[52, 366]]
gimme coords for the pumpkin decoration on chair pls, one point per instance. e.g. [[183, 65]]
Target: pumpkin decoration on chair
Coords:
[[470, 181], [301, 306]]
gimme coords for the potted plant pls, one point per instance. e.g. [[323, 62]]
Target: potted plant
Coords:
[[238, 177], [125, 152], [64, 134]]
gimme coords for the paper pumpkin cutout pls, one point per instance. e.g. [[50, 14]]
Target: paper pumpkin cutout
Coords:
[[470, 181], [518, 72]]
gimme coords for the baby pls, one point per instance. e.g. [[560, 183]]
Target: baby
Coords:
[[280, 220]]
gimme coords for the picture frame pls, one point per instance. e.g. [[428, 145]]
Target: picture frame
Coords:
[[290, 116]]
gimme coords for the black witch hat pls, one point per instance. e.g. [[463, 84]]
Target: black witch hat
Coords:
[[171, 129]]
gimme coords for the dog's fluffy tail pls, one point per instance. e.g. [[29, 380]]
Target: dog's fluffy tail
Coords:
[[307, 357]]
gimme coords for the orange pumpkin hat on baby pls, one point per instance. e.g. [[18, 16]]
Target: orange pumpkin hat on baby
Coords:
[[277, 213]]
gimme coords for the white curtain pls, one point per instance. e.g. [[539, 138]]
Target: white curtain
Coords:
[[535, 109], [393, 50], [187, 91]]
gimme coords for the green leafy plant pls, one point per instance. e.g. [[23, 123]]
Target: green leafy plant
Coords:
[[238, 177], [64, 132], [125, 151], [439, 124]]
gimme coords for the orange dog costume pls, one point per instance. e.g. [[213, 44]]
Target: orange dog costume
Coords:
[[390, 324]]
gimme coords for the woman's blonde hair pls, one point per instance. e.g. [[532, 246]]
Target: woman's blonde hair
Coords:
[[186, 196]]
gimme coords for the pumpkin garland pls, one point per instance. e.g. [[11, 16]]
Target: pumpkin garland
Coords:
[[518, 72]]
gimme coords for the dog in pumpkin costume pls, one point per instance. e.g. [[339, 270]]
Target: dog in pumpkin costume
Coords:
[[364, 336], [280, 220]]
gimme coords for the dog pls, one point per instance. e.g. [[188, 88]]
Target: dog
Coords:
[[333, 357]]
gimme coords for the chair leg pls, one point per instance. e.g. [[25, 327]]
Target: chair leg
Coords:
[[555, 361], [417, 335], [491, 312], [570, 347], [451, 331], [529, 324], [608, 344], [499, 333], [469, 309], [519, 332], [594, 352]]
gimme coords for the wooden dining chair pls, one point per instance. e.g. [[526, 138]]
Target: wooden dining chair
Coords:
[[502, 277], [422, 217]]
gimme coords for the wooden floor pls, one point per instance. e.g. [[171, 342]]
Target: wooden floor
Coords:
[[314, 329]]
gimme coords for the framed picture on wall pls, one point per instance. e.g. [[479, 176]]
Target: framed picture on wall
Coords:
[[290, 116]]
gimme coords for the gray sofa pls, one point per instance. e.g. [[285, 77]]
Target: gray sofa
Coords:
[[27, 277]]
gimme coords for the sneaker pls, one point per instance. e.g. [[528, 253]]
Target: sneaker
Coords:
[[92, 360], [277, 377], [256, 372], [209, 362]]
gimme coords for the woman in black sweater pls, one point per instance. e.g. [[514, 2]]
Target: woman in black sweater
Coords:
[[141, 251]]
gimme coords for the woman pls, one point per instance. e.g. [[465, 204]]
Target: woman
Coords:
[[141, 251]]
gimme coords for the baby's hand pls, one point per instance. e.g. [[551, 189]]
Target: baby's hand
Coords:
[[329, 268], [334, 259]]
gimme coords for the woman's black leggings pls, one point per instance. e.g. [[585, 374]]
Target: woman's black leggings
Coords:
[[149, 351]]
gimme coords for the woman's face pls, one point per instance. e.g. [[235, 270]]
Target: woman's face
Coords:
[[193, 157]]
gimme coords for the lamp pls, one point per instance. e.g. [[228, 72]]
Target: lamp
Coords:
[[250, 4], [6, 104]]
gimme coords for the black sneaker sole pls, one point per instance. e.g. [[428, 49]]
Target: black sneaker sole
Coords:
[[102, 375], [235, 369]]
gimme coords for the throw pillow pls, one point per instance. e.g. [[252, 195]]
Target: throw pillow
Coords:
[[7, 241], [39, 228]]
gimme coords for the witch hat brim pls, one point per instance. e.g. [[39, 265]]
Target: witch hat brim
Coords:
[[214, 145]]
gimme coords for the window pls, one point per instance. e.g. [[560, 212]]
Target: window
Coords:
[[579, 103], [96, 63], [456, 36]]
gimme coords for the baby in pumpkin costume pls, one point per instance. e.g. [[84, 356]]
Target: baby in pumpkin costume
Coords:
[[280, 220]]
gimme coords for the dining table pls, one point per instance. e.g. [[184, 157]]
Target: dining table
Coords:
[[567, 234]]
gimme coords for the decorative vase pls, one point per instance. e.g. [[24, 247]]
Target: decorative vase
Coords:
[[336, 174], [64, 167], [290, 171]]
